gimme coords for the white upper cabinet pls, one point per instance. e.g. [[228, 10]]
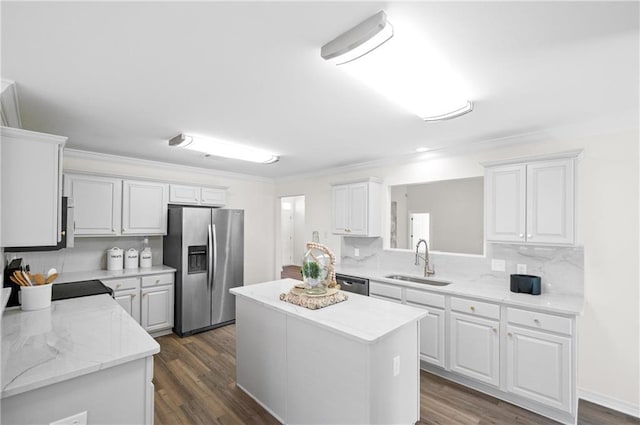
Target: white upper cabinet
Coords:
[[214, 197], [550, 202], [180, 194], [195, 195], [531, 202], [106, 206], [97, 204], [31, 189], [356, 208], [144, 207]]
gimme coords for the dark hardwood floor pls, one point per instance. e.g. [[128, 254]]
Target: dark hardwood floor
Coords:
[[194, 380]]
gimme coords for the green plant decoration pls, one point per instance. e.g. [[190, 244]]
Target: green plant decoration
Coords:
[[311, 270]]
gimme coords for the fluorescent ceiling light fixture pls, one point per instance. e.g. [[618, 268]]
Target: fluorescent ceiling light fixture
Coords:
[[422, 149], [217, 147], [396, 63]]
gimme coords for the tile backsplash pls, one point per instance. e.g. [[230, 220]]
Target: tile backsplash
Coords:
[[561, 268], [87, 254]]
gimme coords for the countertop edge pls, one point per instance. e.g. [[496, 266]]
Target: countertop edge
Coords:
[[75, 374]]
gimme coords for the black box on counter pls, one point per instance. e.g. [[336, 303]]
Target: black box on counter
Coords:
[[526, 284]]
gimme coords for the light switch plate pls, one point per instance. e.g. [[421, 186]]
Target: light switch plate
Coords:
[[77, 419], [521, 269], [356, 252], [498, 265], [396, 366]]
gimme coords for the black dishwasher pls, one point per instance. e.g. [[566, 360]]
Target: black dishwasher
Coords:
[[357, 285]]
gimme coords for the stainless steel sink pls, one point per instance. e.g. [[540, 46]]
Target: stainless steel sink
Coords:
[[415, 279]]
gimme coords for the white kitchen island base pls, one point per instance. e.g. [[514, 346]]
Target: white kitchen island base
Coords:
[[355, 362]]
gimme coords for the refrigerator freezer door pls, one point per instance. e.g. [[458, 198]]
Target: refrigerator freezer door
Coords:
[[195, 308], [229, 262]]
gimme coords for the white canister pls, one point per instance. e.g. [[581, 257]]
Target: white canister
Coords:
[[131, 258], [35, 297], [114, 259], [145, 258]]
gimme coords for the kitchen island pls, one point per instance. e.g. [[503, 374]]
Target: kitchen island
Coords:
[[79, 355], [350, 363]]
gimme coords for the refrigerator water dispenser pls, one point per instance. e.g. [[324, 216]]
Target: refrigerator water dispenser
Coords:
[[197, 259]]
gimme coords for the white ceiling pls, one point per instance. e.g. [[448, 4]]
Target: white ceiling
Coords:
[[122, 78]]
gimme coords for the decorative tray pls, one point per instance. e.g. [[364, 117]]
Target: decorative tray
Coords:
[[297, 296]]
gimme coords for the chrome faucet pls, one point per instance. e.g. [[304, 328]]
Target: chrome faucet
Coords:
[[428, 270]]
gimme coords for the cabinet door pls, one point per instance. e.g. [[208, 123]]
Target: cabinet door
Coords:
[[358, 209], [213, 197], [340, 209], [144, 208], [129, 300], [97, 204], [550, 202], [505, 197], [474, 348], [157, 308], [539, 367], [30, 192], [179, 194], [432, 332]]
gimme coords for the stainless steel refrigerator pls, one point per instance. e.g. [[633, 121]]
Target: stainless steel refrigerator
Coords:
[[206, 246]]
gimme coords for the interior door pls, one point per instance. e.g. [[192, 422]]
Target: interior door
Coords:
[[195, 289]]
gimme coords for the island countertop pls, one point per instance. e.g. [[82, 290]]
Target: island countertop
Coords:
[[363, 318], [72, 338]]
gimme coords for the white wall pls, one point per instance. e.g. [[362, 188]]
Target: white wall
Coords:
[[607, 226], [254, 195]]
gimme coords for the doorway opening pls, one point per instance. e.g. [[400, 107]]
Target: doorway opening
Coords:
[[419, 225], [292, 238]]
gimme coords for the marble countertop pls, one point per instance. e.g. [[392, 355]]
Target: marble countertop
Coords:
[[73, 337], [486, 287], [362, 318], [111, 274]]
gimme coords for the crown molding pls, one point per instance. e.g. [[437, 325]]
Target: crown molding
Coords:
[[80, 154]]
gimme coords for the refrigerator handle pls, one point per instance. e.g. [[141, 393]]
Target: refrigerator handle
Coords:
[[214, 246], [210, 256]]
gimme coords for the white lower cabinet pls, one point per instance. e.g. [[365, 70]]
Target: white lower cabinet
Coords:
[[432, 327], [526, 357], [148, 299], [539, 360], [157, 308], [474, 349], [129, 299]]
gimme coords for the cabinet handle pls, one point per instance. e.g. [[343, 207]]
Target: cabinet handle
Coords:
[[157, 281], [144, 295], [521, 235], [536, 321], [117, 286], [472, 308], [133, 296], [529, 236], [494, 329], [113, 230], [510, 334]]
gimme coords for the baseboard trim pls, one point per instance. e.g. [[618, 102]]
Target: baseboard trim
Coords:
[[625, 407]]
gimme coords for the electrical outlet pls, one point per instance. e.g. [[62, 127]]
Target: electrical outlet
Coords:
[[77, 419], [521, 269], [396, 366], [356, 252], [498, 265]]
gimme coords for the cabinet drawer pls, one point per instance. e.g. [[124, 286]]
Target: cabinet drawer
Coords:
[[155, 280], [425, 298], [122, 284], [475, 308], [387, 291], [536, 320]]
